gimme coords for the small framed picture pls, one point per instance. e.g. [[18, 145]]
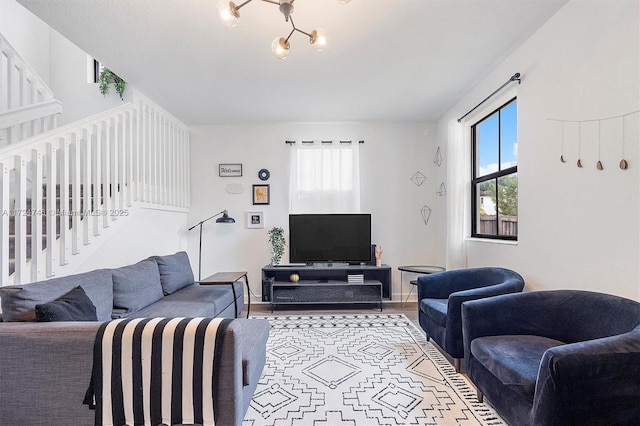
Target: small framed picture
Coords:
[[261, 194], [230, 170], [255, 220]]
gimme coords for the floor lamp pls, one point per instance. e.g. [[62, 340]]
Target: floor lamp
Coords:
[[224, 219]]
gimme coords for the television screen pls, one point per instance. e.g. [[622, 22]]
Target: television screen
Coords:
[[329, 238]]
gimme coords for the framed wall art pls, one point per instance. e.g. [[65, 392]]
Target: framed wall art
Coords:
[[230, 170], [261, 194], [255, 220]]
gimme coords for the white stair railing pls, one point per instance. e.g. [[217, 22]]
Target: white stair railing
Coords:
[[27, 105], [62, 188]]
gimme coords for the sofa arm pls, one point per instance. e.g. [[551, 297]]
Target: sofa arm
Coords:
[[591, 382], [51, 364]]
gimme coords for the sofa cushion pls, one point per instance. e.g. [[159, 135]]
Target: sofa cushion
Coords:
[[19, 301], [135, 287], [196, 300], [72, 306], [514, 359], [436, 309], [175, 271]]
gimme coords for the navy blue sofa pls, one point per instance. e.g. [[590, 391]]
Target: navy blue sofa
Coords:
[[440, 298], [562, 357]]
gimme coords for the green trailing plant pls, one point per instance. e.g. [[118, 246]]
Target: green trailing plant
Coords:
[[107, 78], [276, 239]]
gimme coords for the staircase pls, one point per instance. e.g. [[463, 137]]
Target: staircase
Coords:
[[62, 188]]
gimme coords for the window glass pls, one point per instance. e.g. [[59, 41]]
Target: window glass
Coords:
[[495, 178]]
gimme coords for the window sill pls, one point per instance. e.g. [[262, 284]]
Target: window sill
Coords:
[[491, 241]]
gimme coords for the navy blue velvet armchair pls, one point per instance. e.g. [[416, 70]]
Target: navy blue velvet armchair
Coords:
[[440, 298], [561, 357]]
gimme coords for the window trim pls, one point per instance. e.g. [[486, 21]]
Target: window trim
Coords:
[[494, 176]]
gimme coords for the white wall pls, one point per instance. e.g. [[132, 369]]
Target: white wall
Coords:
[[146, 233], [79, 98], [391, 154], [28, 35], [579, 228]]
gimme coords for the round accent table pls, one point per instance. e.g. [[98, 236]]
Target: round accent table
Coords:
[[415, 269]]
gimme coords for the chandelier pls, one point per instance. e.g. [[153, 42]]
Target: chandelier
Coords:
[[229, 14]]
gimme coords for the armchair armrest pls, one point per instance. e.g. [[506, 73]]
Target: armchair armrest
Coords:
[[603, 373], [456, 299]]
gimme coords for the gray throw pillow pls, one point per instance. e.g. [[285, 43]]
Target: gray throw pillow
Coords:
[[73, 306], [135, 287], [175, 271], [19, 301]]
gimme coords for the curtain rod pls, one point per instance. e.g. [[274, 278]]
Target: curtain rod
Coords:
[[515, 77], [323, 142]]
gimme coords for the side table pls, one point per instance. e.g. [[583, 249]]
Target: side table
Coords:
[[229, 278], [416, 269]]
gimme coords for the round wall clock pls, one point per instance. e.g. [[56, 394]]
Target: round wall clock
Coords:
[[264, 174]]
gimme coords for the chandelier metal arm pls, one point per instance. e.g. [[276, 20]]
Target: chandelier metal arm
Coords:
[[297, 29], [242, 4]]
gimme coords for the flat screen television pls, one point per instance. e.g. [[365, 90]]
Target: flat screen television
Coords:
[[320, 238]]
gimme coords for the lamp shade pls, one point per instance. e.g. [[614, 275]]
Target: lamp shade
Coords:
[[280, 48], [227, 13], [225, 218], [318, 39]]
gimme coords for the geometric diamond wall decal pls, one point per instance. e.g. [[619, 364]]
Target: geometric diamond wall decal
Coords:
[[442, 190], [438, 158], [425, 211], [418, 178]]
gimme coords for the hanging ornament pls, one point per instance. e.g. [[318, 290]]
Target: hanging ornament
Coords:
[[562, 150], [599, 163], [623, 162], [579, 162]]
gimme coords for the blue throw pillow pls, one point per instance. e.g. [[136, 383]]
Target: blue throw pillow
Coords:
[[175, 271], [72, 306]]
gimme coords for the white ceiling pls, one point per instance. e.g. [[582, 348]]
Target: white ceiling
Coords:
[[387, 60]]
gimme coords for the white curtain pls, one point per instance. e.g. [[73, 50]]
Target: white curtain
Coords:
[[458, 178], [325, 178]]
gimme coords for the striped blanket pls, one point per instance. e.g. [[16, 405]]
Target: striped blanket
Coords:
[[152, 371]]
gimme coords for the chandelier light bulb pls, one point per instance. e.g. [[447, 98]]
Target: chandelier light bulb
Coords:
[[228, 13], [318, 39], [344, 1], [280, 47]]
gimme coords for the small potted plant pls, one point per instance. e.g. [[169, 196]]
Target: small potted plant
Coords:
[[276, 239], [108, 77]]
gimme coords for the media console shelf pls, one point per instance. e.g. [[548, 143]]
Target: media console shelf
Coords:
[[325, 285]]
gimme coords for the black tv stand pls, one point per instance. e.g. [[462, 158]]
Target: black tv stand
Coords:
[[325, 284]]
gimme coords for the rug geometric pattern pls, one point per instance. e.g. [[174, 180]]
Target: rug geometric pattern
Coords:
[[359, 370]]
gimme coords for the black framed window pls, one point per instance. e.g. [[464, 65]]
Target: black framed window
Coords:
[[494, 185]]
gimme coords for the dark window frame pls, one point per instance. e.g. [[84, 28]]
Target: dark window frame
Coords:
[[495, 176]]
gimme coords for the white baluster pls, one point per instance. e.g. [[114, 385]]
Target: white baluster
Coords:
[[22, 273], [37, 180], [85, 169], [4, 223], [52, 214], [65, 167]]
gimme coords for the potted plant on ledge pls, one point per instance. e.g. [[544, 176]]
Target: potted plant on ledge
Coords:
[[108, 77], [276, 239]]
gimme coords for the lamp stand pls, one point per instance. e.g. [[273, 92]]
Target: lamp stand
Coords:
[[224, 219]]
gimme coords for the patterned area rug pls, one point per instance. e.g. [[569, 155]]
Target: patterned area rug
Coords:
[[360, 370]]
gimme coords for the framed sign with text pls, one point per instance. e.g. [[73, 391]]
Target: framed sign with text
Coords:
[[230, 170]]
